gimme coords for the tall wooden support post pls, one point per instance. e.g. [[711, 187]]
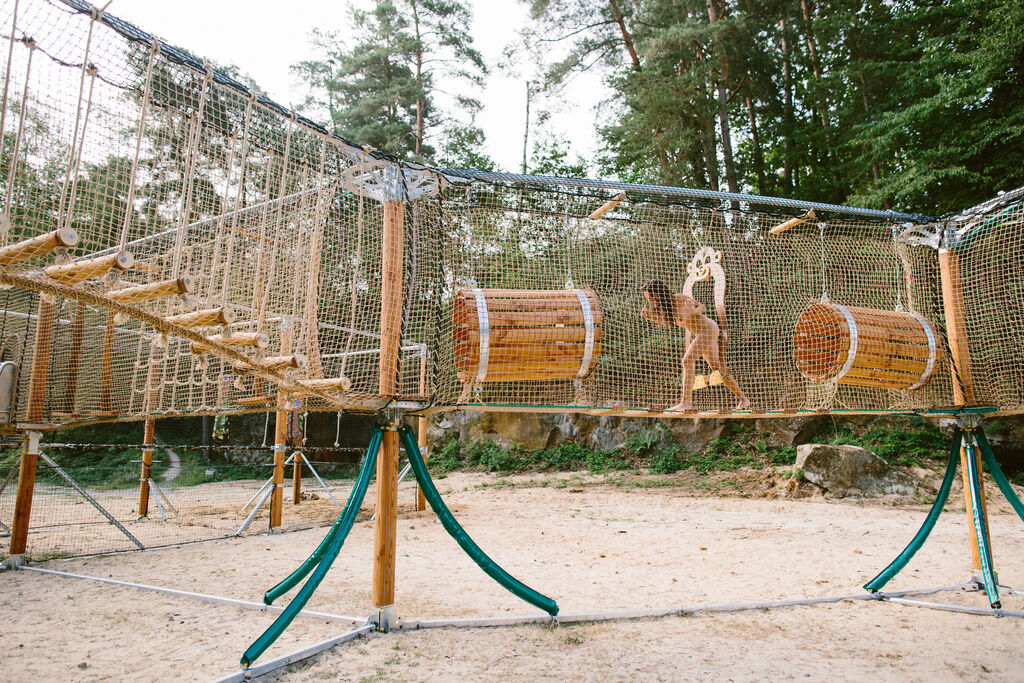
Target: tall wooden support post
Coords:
[[280, 439], [34, 415], [385, 530], [963, 385]]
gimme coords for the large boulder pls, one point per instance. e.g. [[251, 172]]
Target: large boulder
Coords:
[[851, 469]]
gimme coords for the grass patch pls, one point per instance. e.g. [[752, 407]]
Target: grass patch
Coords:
[[913, 446]]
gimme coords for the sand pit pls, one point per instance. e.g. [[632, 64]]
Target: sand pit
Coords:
[[594, 547]]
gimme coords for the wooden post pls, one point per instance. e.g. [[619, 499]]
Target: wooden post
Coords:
[[34, 415], [421, 441], [297, 463], [151, 393], [963, 386], [280, 438], [23, 502], [148, 430], [975, 554], [107, 368], [385, 530], [421, 431]]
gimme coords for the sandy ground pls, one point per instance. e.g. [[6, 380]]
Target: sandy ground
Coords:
[[594, 547]]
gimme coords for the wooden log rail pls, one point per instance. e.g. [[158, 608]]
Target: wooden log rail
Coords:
[[83, 269], [257, 340], [209, 317], [153, 290], [37, 246]]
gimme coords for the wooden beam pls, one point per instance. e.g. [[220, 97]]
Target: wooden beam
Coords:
[[973, 531], [956, 327], [608, 206], [210, 317], [83, 269], [280, 440], [385, 528], [793, 222], [148, 430], [23, 499], [37, 246], [256, 340], [74, 359], [154, 290]]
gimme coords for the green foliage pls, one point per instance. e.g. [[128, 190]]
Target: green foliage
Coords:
[[913, 446], [378, 84], [906, 105]]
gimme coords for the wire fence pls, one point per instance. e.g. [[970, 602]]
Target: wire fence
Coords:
[[190, 500]]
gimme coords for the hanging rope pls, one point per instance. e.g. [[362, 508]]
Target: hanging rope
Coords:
[[824, 288], [896, 260], [16, 150]]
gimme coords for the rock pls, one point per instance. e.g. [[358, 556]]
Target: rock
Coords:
[[695, 434], [605, 439], [851, 469], [792, 430]]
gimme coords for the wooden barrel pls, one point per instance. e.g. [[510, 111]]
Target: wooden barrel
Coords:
[[865, 347], [506, 335]]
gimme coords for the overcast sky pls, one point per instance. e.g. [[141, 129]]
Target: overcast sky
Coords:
[[264, 38]]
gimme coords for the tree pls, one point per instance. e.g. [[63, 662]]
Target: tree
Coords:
[[382, 85]]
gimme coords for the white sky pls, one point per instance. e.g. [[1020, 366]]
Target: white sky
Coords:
[[264, 38]]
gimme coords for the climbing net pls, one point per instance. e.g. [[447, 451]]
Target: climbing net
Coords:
[[174, 243]]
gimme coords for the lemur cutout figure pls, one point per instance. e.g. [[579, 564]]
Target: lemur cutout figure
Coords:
[[704, 338]]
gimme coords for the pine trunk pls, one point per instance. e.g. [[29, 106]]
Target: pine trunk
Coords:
[[723, 107], [787, 115]]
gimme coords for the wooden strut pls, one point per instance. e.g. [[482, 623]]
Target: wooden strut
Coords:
[[296, 361], [280, 440], [793, 222], [210, 317], [154, 290], [421, 431], [608, 206], [252, 339], [150, 400], [34, 415], [963, 387], [37, 246], [83, 269], [385, 528]]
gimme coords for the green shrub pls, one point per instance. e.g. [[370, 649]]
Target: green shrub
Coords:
[[665, 462]]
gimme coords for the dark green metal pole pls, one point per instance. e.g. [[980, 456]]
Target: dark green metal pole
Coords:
[[886, 575]]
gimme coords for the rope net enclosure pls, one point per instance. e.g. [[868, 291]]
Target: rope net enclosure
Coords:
[[174, 243]]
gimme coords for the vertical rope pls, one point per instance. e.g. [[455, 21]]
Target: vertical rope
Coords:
[[262, 313], [74, 174], [16, 150], [824, 288], [154, 50], [184, 216], [75, 151], [356, 262]]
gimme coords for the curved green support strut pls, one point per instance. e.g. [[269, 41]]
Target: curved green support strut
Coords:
[[329, 555], [289, 582], [453, 528], [980, 528], [997, 474], [876, 584]]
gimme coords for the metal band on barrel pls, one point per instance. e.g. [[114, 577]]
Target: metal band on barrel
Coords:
[[485, 334], [851, 353], [588, 322], [932, 353]]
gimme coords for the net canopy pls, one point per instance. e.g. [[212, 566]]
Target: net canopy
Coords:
[[174, 243]]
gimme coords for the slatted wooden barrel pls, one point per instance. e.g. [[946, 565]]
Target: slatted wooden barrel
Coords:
[[506, 335], [865, 347]]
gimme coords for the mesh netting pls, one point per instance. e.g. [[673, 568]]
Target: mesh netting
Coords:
[[262, 262]]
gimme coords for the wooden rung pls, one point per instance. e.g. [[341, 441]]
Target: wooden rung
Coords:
[[331, 384], [277, 363], [255, 400], [83, 269], [608, 206], [35, 246], [792, 222], [210, 317], [154, 290], [254, 339]]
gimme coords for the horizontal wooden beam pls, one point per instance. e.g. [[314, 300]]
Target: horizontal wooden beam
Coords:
[[793, 222], [210, 317], [37, 246], [153, 290], [83, 269]]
